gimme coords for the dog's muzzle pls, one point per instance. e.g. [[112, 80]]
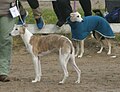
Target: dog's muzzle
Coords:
[[10, 34]]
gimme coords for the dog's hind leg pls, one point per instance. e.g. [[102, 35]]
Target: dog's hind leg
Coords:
[[37, 67], [101, 43], [72, 61], [77, 48], [63, 58], [109, 46]]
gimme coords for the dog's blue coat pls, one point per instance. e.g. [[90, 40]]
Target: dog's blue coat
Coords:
[[80, 30]]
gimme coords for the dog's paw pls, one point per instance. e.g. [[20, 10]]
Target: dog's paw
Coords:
[[79, 56], [61, 82], [108, 53], [34, 81], [99, 52], [76, 55], [78, 81]]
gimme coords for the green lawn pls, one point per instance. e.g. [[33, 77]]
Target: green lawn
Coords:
[[47, 14], [49, 18]]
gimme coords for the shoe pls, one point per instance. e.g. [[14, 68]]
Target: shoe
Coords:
[[60, 23], [40, 23], [4, 78], [98, 12], [22, 19]]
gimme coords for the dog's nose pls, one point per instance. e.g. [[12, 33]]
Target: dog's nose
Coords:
[[10, 34]]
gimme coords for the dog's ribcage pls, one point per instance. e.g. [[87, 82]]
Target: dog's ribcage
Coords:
[[49, 42]]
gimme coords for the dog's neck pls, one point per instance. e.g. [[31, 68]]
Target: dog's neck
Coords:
[[26, 36]]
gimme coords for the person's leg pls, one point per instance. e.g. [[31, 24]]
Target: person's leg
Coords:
[[33, 3], [62, 9], [86, 6], [6, 26], [23, 14], [22, 10], [57, 10], [65, 8]]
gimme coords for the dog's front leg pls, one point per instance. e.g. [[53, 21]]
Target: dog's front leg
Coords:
[[82, 49], [37, 67], [77, 48]]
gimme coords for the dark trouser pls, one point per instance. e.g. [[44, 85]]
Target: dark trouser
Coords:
[[63, 8], [86, 6], [33, 3]]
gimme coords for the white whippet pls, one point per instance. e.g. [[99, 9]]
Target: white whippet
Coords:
[[40, 45], [97, 23]]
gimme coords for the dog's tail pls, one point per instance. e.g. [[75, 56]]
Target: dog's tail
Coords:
[[72, 47]]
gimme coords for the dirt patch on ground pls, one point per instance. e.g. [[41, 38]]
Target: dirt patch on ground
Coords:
[[100, 72]]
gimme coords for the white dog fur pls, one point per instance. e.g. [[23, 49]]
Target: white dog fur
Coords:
[[75, 16], [40, 45]]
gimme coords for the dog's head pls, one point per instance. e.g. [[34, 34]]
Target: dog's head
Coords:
[[17, 30], [75, 16]]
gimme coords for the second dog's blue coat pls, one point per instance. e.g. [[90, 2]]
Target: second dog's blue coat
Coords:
[[80, 30]]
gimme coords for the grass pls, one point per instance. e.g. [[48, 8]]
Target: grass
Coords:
[[117, 38], [47, 14], [49, 18]]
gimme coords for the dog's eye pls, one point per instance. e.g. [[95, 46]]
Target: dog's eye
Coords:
[[77, 16], [16, 29]]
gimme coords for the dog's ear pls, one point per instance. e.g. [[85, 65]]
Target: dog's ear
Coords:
[[22, 29], [71, 14]]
